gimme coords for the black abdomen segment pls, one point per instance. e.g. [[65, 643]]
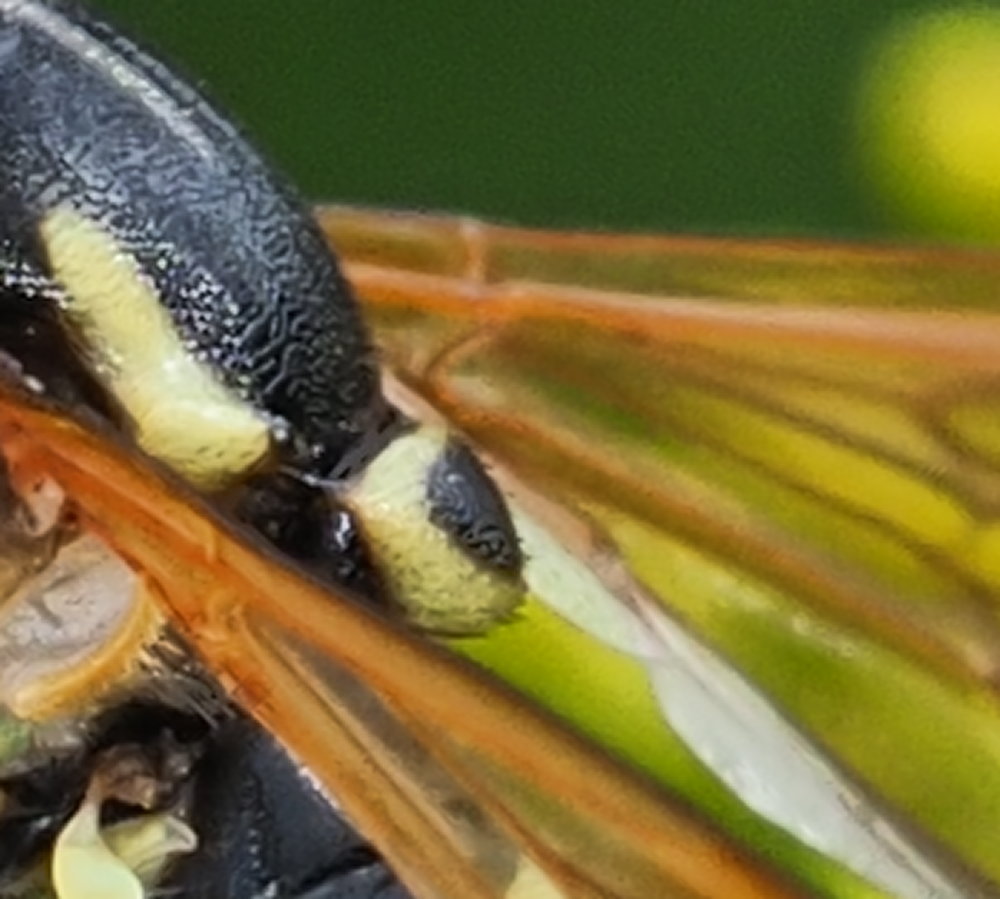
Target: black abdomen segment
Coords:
[[88, 120], [464, 502], [266, 831]]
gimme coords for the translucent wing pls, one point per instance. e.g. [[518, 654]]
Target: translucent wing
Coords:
[[466, 787], [795, 447]]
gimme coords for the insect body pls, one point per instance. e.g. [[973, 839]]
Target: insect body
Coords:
[[156, 277], [140, 231], [154, 271]]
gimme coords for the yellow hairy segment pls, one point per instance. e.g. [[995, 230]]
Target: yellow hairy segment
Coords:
[[440, 588]]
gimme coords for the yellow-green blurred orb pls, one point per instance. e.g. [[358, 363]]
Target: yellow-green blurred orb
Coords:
[[929, 125]]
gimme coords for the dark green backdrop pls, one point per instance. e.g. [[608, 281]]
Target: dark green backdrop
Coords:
[[692, 115]]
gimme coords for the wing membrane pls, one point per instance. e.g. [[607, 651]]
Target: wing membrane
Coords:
[[798, 274], [575, 822], [794, 445]]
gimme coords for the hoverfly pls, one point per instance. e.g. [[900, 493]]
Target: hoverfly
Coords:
[[194, 427]]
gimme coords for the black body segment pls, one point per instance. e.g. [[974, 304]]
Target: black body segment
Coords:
[[265, 831], [43, 793], [263, 828], [89, 121], [90, 124], [304, 522], [465, 503], [141, 235]]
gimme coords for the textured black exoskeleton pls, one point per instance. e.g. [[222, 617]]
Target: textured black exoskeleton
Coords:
[[88, 119], [91, 123]]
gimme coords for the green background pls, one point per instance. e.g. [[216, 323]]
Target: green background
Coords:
[[693, 115]]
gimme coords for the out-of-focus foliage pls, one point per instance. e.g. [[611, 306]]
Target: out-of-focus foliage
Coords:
[[742, 116], [735, 116]]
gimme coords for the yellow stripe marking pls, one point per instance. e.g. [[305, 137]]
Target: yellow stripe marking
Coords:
[[182, 414], [440, 588]]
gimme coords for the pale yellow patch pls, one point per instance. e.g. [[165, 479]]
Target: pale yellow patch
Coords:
[[182, 414], [439, 587], [147, 843], [84, 867], [531, 882], [89, 862]]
